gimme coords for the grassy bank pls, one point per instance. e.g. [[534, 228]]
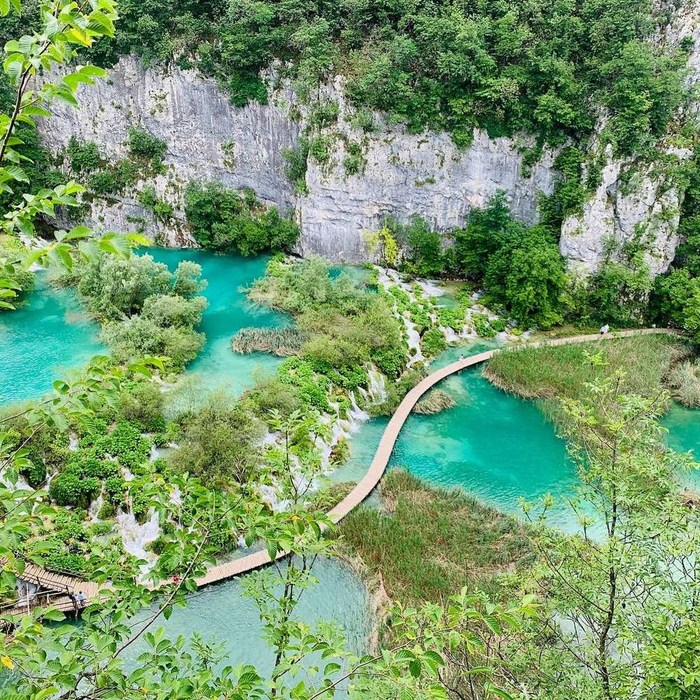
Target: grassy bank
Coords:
[[553, 373], [429, 542]]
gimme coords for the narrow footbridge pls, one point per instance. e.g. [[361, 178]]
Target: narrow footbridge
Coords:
[[60, 585], [52, 589]]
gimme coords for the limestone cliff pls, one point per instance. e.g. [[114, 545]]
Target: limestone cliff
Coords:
[[401, 174]]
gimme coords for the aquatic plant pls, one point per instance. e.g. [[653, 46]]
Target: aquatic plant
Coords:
[[434, 401], [282, 342]]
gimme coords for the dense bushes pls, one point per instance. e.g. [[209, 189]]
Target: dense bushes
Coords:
[[145, 309], [520, 267], [219, 443], [345, 327], [543, 66], [224, 219], [15, 280]]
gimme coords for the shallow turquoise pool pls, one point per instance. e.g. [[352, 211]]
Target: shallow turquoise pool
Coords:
[[43, 341], [498, 447], [221, 613], [217, 366]]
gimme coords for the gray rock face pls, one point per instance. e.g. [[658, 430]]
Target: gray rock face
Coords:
[[208, 138], [408, 174], [643, 208], [402, 174]]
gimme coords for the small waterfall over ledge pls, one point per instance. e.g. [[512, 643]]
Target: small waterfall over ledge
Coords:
[[136, 536]]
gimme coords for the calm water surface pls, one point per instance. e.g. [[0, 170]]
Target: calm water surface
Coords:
[[43, 341], [227, 276], [221, 613]]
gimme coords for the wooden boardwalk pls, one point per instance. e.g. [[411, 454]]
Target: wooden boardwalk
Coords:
[[391, 433], [376, 469], [55, 590]]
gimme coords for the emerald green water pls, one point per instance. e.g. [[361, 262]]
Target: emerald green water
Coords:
[[43, 341]]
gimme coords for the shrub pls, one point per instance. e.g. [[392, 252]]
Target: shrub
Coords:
[[162, 211], [297, 162], [145, 146], [83, 157], [225, 219], [433, 342], [482, 326], [141, 403], [71, 488], [219, 443]]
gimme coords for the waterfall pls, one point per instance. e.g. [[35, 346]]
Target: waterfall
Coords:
[[413, 343], [26, 591], [135, 537], [95, 508]]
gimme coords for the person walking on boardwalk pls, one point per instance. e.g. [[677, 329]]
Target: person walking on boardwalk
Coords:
[[82, 599]]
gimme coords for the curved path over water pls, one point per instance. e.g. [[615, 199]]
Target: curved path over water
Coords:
[[391, 433], [386, 446]]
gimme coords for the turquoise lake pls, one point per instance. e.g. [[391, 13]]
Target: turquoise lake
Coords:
[[495, 445], [217, 367], [43, 341]]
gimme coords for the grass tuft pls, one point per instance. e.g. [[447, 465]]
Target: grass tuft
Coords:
[[283, 342]]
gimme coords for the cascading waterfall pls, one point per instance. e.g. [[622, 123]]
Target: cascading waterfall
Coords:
[[26, 591], [135, 536], [95, 507]]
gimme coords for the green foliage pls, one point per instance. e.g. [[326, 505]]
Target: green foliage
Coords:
[[422, 248], [220, 444], [482, 326], [433, 342], [526, 276], [542, 67], [676, 301], [618, 293], [224, 219], [146, 147], [521, 268], [297, 160], [114, 178], [162, 211], [146, 310], [569, 190], [83, 158]]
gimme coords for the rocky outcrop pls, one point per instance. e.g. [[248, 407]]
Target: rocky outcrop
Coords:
[[208, 138], [637, 201], [400, 175], [634, 203]]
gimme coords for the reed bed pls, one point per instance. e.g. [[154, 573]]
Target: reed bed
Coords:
[[565, 371], [684, 381], [434, 402], [283, 342], [429, 542]]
